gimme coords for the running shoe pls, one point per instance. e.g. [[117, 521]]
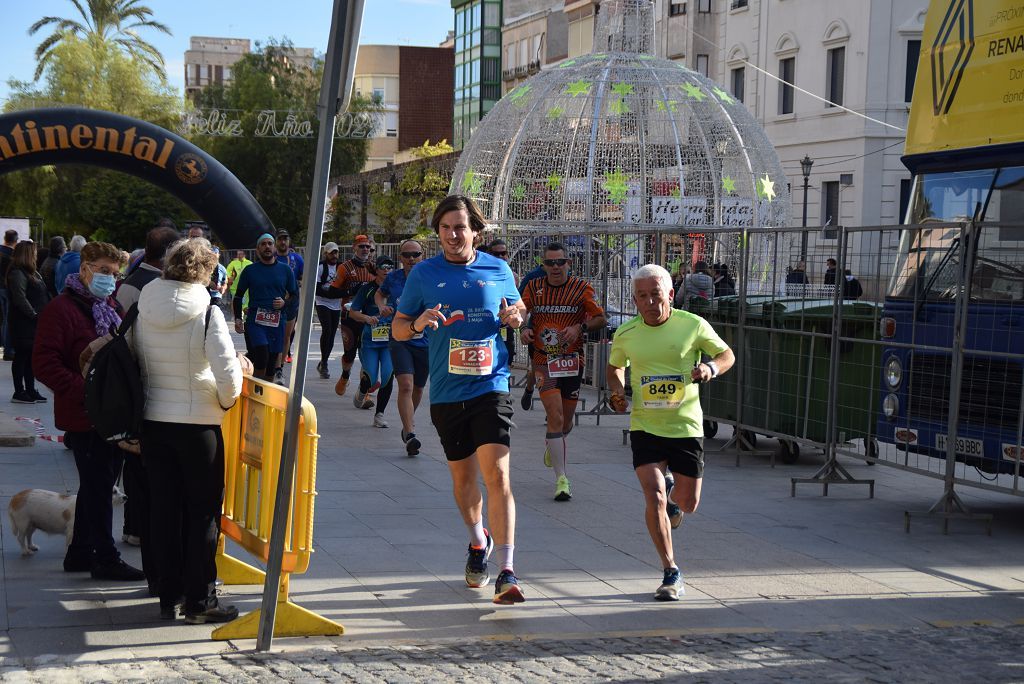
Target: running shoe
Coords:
[[357, 400], [341, 386], [671, 586], [670, 482], [476, 563], [279, 379], [363, 401], [22, 397], [562, 492], [412, 445], [321, 368], [527, 401], [547, 457], [288, 359], [675, 515], [36, 396], [378, 420], [507, 590]]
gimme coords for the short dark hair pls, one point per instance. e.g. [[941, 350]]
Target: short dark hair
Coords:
[[497, 242], [10, 236], [700, 266], [165, 222], [456, 203], [555, 247], [157, 241], [830, 261]]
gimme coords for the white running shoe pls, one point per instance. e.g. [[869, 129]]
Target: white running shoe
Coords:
[[378, 421]]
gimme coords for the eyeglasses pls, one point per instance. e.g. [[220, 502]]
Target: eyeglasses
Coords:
[[500, 255], [412, 255], [555, 262], [105, 270]]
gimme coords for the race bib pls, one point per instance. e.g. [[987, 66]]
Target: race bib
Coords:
[[380, 332], [564, 366], [471, 357], [662, 391], [268, 317]]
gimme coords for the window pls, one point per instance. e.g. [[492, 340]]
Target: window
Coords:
[[510, 56], [492, 14], [836, 69], [704, 6], [787, 68], [737, 4], [524, 53], [227, 73], [702, 65], [378, 95], [904, 198], [491, 74], [913, 55], [535, 50], [677, 9], [830, 203], [737, 78]]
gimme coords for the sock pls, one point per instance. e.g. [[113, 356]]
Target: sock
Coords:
[[476, 534], [555, 442], [503, 555], [364, 382], [346, 372]]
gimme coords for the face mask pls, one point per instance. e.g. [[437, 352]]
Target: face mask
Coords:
[[849, 279], [102, 285]]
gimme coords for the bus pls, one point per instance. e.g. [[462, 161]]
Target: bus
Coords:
[[965, 149]]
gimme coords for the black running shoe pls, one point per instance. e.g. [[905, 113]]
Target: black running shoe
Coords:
[[218, 613], [507, 590], [477, 574], [527, 401], [412, 445]]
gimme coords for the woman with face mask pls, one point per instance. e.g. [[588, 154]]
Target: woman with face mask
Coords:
[[84, 311]]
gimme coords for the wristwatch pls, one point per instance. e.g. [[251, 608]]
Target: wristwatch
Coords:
[[714, 368]]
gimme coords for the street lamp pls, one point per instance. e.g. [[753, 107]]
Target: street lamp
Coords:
[[805, 167]]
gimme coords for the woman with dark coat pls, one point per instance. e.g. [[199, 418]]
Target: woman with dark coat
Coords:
[[27, 295]]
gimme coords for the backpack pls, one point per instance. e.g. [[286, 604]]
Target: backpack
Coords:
[[114, 396]]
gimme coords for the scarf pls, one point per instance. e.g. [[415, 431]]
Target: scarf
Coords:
[[104, 316]]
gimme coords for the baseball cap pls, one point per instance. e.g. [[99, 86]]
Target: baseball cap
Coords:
[[386, 261], [282, 233], [331, 247], [360, 239]]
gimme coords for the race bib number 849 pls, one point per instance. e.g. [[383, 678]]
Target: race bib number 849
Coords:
[[662, 391]]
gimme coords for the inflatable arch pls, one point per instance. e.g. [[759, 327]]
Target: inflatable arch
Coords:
[[75, 135]]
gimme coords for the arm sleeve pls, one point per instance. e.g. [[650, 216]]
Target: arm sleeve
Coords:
[[411, 303], [17, 285], [220, 353], [292, 287]]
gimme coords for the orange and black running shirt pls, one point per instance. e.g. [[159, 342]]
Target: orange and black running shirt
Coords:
[[554, 308], [350, 277]]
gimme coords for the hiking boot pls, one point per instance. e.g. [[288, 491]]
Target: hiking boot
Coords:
[[527, 401], [671, 586], [22, 397], [675, 515], [378, 420], [117, 571], [562, 492], [476, 563], [412, 445], [217, 613], [507, 590], [322, 369], [341, 386]]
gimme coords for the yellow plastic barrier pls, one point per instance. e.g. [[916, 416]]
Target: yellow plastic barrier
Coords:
[[253, 431]]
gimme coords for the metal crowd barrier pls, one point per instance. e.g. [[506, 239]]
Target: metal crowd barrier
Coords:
[[253, 431]]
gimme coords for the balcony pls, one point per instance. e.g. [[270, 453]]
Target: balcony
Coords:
[[508, 74], [533, 67]]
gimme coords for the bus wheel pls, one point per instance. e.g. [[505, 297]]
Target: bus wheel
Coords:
[[710, 429], [788, 452], [870, 450], [747, 440]]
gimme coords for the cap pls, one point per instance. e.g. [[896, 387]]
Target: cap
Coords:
[[385, 261], [282, 233], [331, 247], [360, 239]]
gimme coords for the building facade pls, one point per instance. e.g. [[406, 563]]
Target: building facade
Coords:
[[210, 60], [477, 64]]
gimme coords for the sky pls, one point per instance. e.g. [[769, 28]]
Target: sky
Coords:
[[304, 22]]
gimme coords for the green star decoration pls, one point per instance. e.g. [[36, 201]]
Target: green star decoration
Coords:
[[766, 188], [694, 92], [723, 96], [519, 93], [728, 184], [555, 112], [675, 193], [622, 89], [519, 191], [618, 106], [667, 105], [599, 55], [554, 182], [567, 63], [472, 183], [578, 88], [615, 185]]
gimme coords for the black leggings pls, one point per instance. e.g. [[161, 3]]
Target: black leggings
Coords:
[[185, 464], [329, 319], [21, 369]]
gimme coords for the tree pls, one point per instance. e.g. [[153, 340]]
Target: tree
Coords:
[[105, 24], [278, 171], [407, 208]]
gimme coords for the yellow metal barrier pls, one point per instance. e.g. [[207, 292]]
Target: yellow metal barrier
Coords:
[[253, 432]]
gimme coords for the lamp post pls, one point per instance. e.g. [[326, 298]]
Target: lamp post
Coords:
[[805, 167]]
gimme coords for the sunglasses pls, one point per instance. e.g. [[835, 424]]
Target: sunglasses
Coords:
[[412, 255], [385, 268], [555, 262], [366, 247]]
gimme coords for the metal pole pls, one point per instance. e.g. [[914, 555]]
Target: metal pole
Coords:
[[338, 65], [803, 235], [969, 236]]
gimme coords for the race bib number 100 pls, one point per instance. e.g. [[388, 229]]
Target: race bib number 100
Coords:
[[471, 357], [662, 391], [564, 366]]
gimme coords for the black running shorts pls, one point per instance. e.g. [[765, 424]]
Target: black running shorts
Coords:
[[685, 455], [463, 426]]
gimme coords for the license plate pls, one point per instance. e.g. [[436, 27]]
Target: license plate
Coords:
[[964, 445]]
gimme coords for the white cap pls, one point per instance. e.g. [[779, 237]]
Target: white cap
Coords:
[[331, 247]]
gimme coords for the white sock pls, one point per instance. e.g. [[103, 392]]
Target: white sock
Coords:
[[555, 443], [477, 537], [503, 555]]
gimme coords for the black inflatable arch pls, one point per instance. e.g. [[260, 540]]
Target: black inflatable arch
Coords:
[[76, 135]]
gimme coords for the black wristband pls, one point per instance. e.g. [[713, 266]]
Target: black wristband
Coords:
[[412, 327]]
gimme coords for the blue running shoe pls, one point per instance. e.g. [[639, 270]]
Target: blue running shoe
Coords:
[[507, 590], [671, 586], [476, 563]]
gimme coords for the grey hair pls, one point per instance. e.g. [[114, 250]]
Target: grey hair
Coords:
[[77, 243], [653, 271]]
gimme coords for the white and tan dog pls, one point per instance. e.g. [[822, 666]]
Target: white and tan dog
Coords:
[[53, 513]]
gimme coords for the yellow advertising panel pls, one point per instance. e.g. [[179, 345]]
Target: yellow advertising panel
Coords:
[[970, 80]]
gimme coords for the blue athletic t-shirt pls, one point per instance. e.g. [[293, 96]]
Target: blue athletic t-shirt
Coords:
[[364, 303], [294, 261], [392, 287], [467, 357], [265, 283]]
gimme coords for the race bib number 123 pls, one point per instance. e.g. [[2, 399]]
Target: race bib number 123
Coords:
[[471, 357]]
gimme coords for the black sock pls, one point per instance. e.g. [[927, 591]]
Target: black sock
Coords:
[[346, 372], [364, 383]]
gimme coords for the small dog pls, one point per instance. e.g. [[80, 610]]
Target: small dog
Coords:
[[53, 513]]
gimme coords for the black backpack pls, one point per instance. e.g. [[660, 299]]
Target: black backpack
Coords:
[[114, 397]]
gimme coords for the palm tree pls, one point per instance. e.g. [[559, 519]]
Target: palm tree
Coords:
[[114, 22]]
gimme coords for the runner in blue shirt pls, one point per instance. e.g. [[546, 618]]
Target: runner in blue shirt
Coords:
[[409, 358], [373, 348], [270, 284], [466, 296]]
